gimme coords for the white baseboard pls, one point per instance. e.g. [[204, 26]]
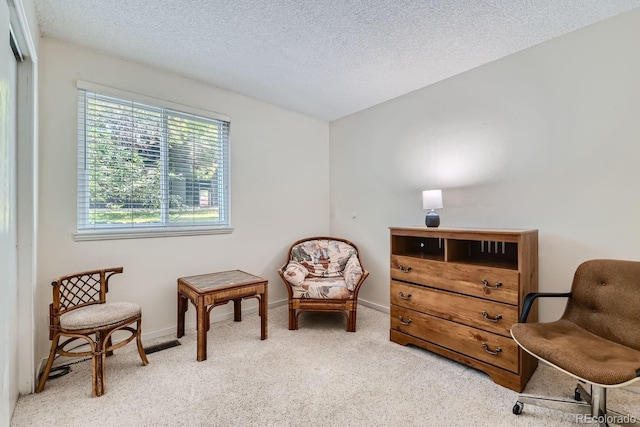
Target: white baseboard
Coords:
[[171, 331], [377, 307]]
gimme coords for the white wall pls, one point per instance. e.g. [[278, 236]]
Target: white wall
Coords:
[[279, 190], [547, 138]]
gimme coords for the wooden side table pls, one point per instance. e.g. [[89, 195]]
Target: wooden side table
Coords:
[[207, 291]]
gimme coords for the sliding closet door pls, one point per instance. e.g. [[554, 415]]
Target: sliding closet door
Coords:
[[8, 224]]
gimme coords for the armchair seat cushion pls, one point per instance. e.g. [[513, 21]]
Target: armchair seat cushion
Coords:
[[322, 288], [97, 315]]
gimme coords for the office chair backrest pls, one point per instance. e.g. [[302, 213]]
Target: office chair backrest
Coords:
[[606, 300]]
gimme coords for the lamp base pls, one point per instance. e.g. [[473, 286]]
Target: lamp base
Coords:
[[432, 219]]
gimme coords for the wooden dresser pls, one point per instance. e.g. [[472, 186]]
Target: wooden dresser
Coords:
[[456, 292]]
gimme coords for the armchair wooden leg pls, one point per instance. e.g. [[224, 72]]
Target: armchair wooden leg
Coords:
[[352, 321], [293, 319], [47, 369]]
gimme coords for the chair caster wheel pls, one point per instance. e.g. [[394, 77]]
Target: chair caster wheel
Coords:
[[576, 395], [517, 408]]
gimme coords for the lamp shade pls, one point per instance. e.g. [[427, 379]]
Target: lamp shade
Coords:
[[432, 199]]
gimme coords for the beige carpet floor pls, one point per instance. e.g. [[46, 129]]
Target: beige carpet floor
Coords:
[[319, 375]]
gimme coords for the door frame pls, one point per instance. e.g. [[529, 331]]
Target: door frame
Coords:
[[27, 194]]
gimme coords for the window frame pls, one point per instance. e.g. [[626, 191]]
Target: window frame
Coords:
[[111, 232]]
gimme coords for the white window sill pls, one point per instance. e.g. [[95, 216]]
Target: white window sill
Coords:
[[84, 236]]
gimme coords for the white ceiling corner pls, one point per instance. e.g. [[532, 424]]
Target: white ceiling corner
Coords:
[[324, 58]]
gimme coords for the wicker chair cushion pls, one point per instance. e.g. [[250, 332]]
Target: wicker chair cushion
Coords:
[[598, 360], [323, 257], [97, 315], [323, 288]]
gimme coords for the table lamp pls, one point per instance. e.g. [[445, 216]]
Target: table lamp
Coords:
[[432, 200]]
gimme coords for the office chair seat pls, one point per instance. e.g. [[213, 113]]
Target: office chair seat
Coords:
[[600, 361]]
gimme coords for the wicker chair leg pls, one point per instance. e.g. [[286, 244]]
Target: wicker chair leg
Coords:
[[143, 355], [98, 374], [98, 361], [109, 344], [47, 369]]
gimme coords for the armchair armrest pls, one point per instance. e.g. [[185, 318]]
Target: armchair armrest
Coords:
[[530, 298], [353, 272], [281, 270], [294, 273]]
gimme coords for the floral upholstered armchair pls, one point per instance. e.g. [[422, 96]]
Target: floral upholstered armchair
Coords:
[[323, 274]]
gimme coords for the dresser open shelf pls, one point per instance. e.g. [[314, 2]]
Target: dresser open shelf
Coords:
[[457, 291]]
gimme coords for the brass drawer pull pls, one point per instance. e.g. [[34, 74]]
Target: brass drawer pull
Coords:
[[486, 348], [403, 322], [485, 283], [403, 296], [403, 269], [494, 320]]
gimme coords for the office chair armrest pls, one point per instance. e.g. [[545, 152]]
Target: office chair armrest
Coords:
[[530, 298]]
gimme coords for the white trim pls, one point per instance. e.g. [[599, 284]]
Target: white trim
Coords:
[[191, 326], [145, 99], [373, 305], [86, 236], [19, 22], [27, 189]]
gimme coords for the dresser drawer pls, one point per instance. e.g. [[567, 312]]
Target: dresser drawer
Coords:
[[489, 315], [490, 348], [496, 284]]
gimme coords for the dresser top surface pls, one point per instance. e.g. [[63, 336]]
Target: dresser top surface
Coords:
[[463, 230]]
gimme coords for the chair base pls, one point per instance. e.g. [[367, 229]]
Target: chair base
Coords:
[[590, 408], [100, 347], [346, 307]]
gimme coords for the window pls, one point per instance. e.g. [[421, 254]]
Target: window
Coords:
[[149, 170]]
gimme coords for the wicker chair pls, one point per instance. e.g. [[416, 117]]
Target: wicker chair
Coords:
[[597, 340], [80, 312], [323, 274]]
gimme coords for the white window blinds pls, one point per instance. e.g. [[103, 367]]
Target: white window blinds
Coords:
[[143, 168]]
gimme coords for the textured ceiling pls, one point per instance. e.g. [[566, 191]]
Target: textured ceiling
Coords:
[[324, 58]]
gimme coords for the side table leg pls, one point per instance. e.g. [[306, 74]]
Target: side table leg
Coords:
[[264, 309], [201, 324], [183, 306], [237, 310]]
